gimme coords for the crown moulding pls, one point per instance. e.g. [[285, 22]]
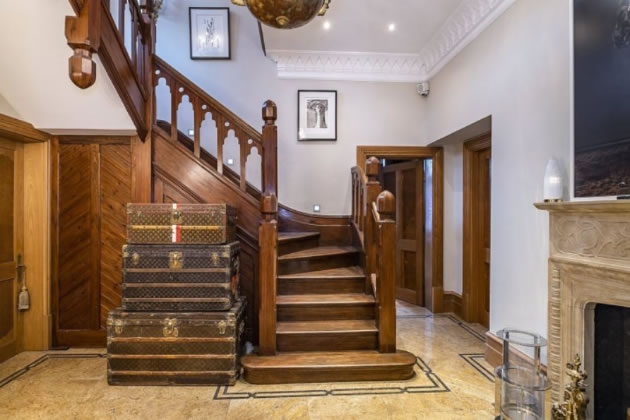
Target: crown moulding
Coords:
[[468, 20]]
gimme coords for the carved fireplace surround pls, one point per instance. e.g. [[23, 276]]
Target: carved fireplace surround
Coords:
[[589, 264]]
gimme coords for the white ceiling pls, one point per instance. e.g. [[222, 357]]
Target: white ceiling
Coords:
[[362, 25], [359, 46]]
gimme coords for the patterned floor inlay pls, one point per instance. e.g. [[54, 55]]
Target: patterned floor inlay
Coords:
[[475, 360], [452, 382]]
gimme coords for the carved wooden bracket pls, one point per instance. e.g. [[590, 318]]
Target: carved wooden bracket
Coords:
[[84, 36]]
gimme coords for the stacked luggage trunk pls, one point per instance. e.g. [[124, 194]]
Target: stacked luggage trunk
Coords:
[[181, 320]]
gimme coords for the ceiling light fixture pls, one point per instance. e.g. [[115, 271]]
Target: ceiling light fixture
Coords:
[[284, 14], [326, 25], [391, 27]]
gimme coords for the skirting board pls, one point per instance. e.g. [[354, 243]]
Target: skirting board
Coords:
[[494, 352], [452, 302]]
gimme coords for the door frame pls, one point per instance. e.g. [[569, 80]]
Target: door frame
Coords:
[[434, 284], [471, 304], [35, 331]]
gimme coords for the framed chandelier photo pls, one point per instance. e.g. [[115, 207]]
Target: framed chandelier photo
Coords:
[[209, 33]]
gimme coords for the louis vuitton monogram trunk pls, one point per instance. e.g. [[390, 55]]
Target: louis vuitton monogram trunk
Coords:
[[180, 278], [162, 348], [180, 223]]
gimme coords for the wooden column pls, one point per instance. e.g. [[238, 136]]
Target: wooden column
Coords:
[[386, 205], [373, 190], [268, 271], [141, 169], [270, 149]]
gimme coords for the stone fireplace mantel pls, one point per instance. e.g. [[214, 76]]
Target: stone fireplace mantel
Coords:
[[589, 264]]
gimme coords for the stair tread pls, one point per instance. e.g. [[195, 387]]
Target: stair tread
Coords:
[[290, 236], [364, 358], [322, 251], [312, 327], [339, 299], [343, 272]]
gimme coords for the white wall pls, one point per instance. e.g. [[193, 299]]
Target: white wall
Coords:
[[315, 172], [453, 217], [518, 72], [34, 72], [7, 109]]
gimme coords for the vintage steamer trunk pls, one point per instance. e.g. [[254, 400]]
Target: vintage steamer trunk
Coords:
[[180, 278], [174, 348], [180, 223]]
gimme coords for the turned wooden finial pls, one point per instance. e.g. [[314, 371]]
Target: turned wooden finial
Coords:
[[371, 168], [83, 34], [270, 112], [386, 205]]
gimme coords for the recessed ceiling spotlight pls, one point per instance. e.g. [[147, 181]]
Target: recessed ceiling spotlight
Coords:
[[391, 27], [326, 25]]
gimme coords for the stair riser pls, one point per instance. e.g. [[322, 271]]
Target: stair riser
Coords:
[[324, 312], [327, 341], [318, 286], [317, 263], [340, 374], [296, 245]]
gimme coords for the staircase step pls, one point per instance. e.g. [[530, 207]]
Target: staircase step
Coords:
[[331, 281], [325, 335], [320, 258], [323, 307], [289, 242], [328, 367]]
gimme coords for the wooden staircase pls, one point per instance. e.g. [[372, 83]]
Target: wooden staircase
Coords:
[[326, 322], [321, 292]]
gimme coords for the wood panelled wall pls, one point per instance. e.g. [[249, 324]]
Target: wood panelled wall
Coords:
[[92, 185]]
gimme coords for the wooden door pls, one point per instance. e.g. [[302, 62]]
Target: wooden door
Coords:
[[406, 181], [11, 245], [477, 199], [93, 187]]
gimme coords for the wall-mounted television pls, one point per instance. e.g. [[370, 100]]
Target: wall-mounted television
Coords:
[[601, 98]]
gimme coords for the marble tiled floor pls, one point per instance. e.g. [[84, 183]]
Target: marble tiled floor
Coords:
[[452, 382]]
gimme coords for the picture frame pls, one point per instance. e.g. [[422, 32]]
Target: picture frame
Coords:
[[209, 32], [317, 115]]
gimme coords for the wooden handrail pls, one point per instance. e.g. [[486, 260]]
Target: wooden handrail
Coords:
[[249, 138]]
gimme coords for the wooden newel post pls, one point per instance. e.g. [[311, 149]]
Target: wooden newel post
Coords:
[[372, 167], [270, 148], [83, 34], [386, 205], [268, 271]]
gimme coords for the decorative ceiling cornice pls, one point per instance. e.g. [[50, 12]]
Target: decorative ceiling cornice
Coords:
[[467, 21], [339, 65], [464, 25]]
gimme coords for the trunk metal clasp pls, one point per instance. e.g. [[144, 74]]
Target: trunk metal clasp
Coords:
[[170, 328], [175, 260]]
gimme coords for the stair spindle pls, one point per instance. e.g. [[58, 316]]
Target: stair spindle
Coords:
[[197, 125], [373, 187]]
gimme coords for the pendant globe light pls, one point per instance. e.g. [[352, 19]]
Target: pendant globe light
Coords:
[[285, 14]]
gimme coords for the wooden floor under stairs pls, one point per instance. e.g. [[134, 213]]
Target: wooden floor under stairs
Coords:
[[326, 329]]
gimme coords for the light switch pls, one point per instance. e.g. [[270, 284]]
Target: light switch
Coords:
[[230, 161], [316, 208], [191, 132]]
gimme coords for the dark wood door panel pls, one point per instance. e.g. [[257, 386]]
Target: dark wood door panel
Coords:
[[92, 191], [115, 161]]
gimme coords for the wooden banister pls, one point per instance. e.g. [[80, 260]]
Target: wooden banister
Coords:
[[205, 106], [268, 270], [94, 30]]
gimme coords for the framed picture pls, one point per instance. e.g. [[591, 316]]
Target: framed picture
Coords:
[[209, 33], [317, 115]]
